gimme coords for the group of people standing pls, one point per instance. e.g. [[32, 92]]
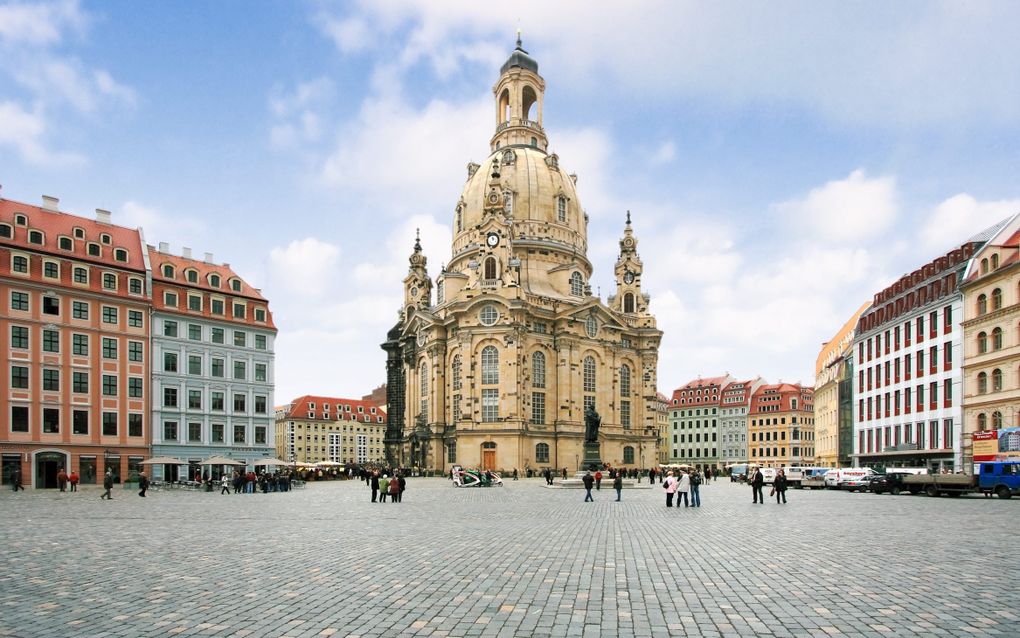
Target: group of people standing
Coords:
[[382, 486], [757, 482], [685, 485], [65, 481]]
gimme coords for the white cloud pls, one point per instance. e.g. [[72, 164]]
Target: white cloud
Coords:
[[40, 24], [304, 267], [664, 154], [956, 219], [175, 229], [349, 35], [846, 210], [25, 132], [297, 119]]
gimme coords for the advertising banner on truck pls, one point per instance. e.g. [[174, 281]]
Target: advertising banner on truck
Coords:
[[997, 445], [986, 445]]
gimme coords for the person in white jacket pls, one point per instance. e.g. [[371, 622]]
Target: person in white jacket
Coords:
[[683, 488]]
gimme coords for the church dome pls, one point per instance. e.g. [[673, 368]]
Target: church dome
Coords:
[[519, 58]]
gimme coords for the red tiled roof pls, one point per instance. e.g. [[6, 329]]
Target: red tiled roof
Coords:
[[299, 409], [182, 264], [55, 224]]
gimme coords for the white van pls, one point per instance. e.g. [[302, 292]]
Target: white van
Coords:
[[836, 479]]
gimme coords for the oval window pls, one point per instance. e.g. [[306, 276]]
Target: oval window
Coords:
[[489, 315]]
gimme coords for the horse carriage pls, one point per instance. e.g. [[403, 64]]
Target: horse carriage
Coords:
[[474, 478]]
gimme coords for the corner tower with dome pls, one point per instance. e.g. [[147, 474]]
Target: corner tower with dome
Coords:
[[494, 365]]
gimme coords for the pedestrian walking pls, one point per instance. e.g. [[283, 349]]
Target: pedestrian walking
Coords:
[[618, 484], [16, 481], [682, 488], [107, 485], [143, 484], [588, 481], [696, 489], [564, 474], [384, 488], [373, 482], [651, 476], [598, 480], [73, 479], [669, 485], [515, 474], [757, 480], [62, 479], [395, 490], [225, 484], [779, 486], [403, 486]]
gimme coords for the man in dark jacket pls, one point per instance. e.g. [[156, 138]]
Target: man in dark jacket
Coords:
[[779, 486], [588, 481], [618, 484], [107, 485], [143, 483], [757, 480], [402, 485], [374, 483]]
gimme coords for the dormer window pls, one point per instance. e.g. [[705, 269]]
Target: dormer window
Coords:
[[168, 271], [20, 220], [79, 233], [94, 250], [214, 280], [235, 285], [120, 254], [260, 315], [35, 237], [105, 238], [193, 276], [6, 231], [65, 243]]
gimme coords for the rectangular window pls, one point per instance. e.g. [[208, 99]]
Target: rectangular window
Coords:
[[239, 311], [947, 433], [194, 364], [240, 371], [135, 286], [217, 306], [170, 397], [933, 324], [170, 299], [238, 434], [50, 306], [135, 318], [906, 333], [947, 393], [947, 319], [260, 372], [239, 402], [933, 359], [80, 309], [109, 348], [947, 355], [217, 335], [260, 404], [625, 413], [109, 385], [109, 424], [260, 434], [81, 275], [19, 377], [194, 399], [920, 363], [217, 433], [920, 329], [135, 387], [19, 264], [109, 281], [135, 425], [195, 303], [217, 368], [134, 350], [194, 432], [19, 337], [260, 315], [240, 338], [80, 422], [19, 418], [920, 398], [490, 405], [260, 342], [50, 341], [169, 328], [194, 332], [169, 362], [51, 420], [109, 314], [933, 392], [80, 382], [216, 401], [170, 430], [19, 301], [907, 366], [51, 380]]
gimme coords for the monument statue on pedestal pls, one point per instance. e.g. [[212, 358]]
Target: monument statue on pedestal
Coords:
[[592, 455]]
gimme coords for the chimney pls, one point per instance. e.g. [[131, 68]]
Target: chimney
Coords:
[[103, 216], [209, 258], [186, 252], [164, 247], [51, 203]]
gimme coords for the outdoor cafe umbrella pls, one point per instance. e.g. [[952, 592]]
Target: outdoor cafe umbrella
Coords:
[[328, 464], [164, 460], [220, 460], [270, 462]]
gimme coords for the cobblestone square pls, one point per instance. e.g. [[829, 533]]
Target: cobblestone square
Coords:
[[521, 560]]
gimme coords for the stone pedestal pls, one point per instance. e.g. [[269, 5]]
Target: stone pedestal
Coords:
[[592, 457]]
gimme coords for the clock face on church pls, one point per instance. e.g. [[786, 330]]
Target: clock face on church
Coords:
[[492, 239], [628, 277]]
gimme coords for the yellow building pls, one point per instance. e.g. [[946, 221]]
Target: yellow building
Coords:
[[497, 370], [834, 444], [312, 429], [781, 427], [991, 324]]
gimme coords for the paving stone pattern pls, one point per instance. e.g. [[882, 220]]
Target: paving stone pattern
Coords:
[[514, 561]]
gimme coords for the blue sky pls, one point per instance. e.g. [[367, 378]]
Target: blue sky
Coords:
[[783, 161]]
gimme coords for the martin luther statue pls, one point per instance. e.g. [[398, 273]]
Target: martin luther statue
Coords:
[[592, 421]]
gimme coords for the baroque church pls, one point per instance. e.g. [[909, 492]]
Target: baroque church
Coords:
[[495, 365]]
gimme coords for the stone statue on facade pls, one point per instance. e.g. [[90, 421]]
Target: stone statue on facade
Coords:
[[592, 421]]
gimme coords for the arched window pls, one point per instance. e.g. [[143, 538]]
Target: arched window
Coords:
[[984, 266], [982, 422], [561, 208], [995, 262], [489, 445], [996, 299], [424, 383], [625, 380], [538, 370], [542, 453], [996, 380], [589, 374], [455, 371], [490, 365], [168, 271], [490, 268], [996, 420], [459, 215], [576, 284], [628, 455], [982, 342], [982, 304], [628, 302], [982, 383], [997, 339]]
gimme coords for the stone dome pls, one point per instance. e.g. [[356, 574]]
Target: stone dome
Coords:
[[519, 58]]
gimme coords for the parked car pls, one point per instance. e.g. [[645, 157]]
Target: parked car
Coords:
[[856, 482]]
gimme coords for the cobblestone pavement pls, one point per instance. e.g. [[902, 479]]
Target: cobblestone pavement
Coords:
[[515, 561]]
